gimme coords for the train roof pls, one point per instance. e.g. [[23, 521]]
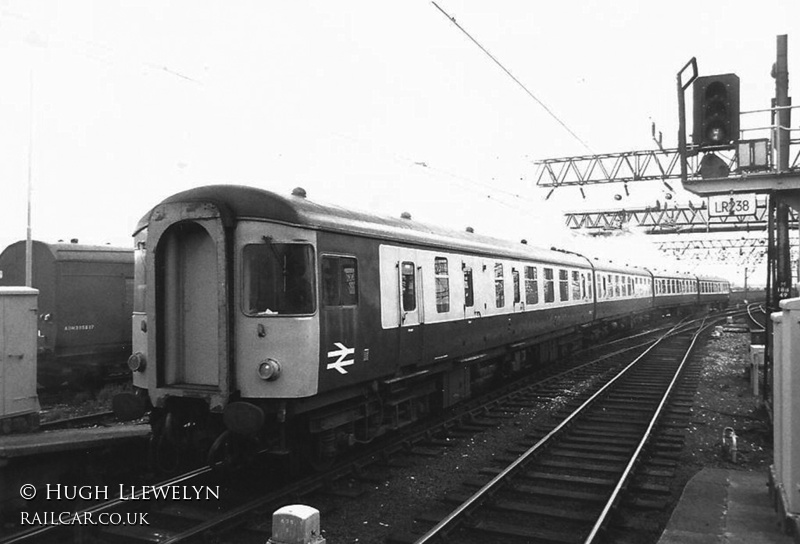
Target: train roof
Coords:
[[673, 275], [62, 251], [237, 203], [713, 278]]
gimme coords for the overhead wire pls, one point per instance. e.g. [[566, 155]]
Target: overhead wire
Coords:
[[83, 47], [517, 81], [483, 189]]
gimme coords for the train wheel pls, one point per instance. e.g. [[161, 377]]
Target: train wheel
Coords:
[[221, 454], [231, 451]]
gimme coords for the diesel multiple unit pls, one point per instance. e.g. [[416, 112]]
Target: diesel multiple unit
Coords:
[[311, 327]]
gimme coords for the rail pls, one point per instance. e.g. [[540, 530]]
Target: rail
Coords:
[[645, 437]]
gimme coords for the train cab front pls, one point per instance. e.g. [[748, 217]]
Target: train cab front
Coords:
[[181, 335], [224, 325]]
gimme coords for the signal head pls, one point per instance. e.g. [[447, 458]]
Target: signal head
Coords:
[[716, 110]]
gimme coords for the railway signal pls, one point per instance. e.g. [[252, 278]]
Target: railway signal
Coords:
[[716, 110]]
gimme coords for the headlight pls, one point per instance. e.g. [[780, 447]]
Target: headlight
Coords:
[[137, 362], [269, 370]]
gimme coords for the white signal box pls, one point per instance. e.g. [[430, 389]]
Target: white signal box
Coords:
[[786, 412]]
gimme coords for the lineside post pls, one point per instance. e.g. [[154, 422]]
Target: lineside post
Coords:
[[296, 524], [682, 113]]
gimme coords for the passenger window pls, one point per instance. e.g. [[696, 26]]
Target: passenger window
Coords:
[[576, 286], [469, 297], [531, 285], [408, 288], [549, 287], [442, 284], [563, 285], [339, 281], [515, 278], [278, 279], [499, 286]]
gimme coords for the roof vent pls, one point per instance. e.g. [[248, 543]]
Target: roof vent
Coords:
[[405, 215], [73, 241], [299, 191], [523, 241], [470, 230]]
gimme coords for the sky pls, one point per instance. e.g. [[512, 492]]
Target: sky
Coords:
[[109, 107]]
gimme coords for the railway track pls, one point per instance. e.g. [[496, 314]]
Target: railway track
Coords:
[[77, 421], [565, 485], [757, 315]]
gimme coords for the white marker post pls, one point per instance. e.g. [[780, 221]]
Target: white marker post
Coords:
[[296, 524]]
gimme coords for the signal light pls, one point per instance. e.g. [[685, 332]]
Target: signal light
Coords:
[[716, 110]]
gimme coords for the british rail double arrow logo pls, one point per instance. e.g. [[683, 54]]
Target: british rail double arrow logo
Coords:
[[342, 353]]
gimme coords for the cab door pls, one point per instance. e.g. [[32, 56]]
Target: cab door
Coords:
[[409, 282]]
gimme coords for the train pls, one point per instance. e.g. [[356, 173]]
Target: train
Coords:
[[295, 326], [85, 309]]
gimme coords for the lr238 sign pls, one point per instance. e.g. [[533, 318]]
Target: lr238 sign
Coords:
[[727, 205]]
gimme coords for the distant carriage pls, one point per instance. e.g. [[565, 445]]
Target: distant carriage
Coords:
[[85, 306]]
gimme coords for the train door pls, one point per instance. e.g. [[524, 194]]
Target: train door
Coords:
[[189, 306], [519, 305], [339, 316], [469, 289], [411, 310]]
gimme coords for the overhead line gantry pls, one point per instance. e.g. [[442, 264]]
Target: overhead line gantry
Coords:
[[668, 219]]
